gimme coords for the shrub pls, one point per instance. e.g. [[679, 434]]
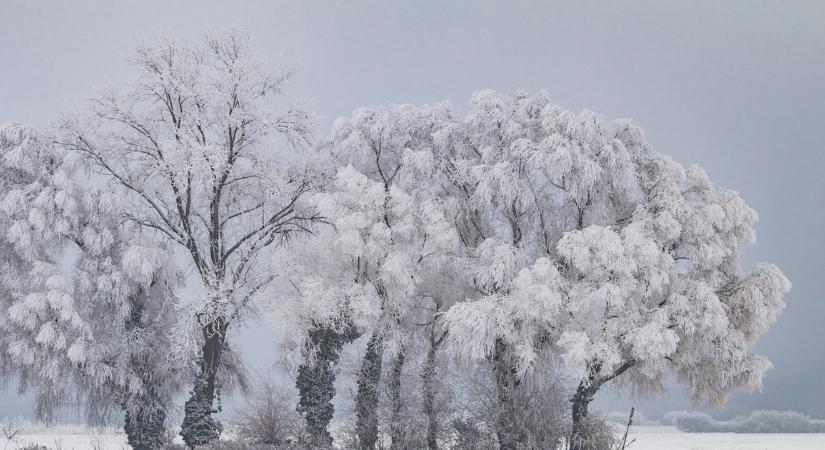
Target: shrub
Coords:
[[471, 435], [269, 418], [542, 417], [598, 434]]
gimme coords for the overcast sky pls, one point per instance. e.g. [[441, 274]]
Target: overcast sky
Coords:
[[737, 87]]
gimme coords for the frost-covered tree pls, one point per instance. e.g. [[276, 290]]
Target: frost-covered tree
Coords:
[[25, 168], [405, 235], [591, 243], [191, 146], [505, 222], [387, 228], [323, 308], [442, 281], [87, 305]]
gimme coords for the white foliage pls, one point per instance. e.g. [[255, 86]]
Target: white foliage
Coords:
[[82, 299], [538, 228], [645, 253], [192, 149], [392, 234]]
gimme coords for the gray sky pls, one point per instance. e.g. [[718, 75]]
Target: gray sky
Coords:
[[737, 87]]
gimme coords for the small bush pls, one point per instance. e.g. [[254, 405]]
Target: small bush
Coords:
[[269, 419], [598, 434], [236, 445], [541, 418], [472, 435]]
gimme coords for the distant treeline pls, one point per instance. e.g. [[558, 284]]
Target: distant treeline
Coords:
[[756, 422]]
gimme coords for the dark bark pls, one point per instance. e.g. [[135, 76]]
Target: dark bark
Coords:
[[430, 391], [396, 428], [145, 413], [581, 401], [199, 427], [316, 381], [366, 400], [509, 433], [144, 424]]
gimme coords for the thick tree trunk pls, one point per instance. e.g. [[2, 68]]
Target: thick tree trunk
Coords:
[[396, 428], [316, 382], [581, 400], [199, 427], [145, 413], [584, 395], [366, 401], [428, 383], [509, 434], [144, 424]]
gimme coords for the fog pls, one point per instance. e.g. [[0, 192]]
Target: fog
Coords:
[[737, 87]]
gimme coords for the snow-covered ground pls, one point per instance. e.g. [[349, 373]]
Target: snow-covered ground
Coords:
[[61, 437], [669, 438], [647, 438]]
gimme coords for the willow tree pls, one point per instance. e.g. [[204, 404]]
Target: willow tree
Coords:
[[324, 307], [198, 148], [87, 304], [369, 268], [590, 243]]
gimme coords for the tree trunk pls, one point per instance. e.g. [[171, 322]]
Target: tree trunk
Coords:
[[507, 430], [366, 401], [316, 382], [396, 428], [199, 427], [144, 424], [584, 395], [428, 383], [581, 400], [145, 413]]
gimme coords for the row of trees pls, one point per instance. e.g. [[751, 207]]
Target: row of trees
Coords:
[[506, 235]]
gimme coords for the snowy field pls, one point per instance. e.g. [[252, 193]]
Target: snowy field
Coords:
[[62, 437], [659, 438], [647, 438]]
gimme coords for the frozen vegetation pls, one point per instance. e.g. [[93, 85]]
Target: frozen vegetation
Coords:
[[756, 422], [447, 278]]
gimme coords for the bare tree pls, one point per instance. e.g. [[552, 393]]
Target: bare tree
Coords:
[[191, 145]]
